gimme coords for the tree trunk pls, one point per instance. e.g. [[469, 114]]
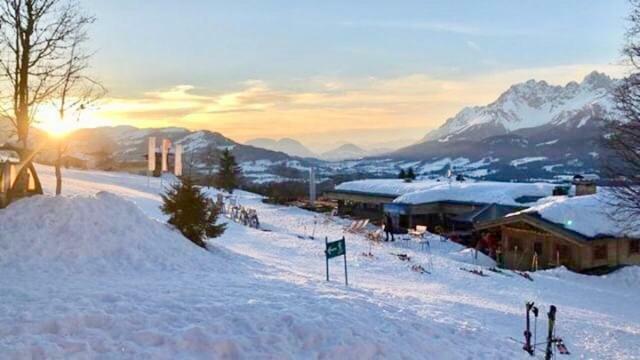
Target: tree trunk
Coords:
[[59, 171]]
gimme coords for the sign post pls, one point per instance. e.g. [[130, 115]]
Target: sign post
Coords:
[[335, 249]]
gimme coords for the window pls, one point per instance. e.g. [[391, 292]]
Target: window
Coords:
[[634, 247], [514, 245], [563, 252], [600, 252], [537, 248]]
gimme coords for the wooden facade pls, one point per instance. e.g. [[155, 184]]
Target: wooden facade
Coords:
[[18, 177], [528, 242]]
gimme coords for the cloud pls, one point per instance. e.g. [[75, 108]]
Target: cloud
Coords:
[[360, 110]]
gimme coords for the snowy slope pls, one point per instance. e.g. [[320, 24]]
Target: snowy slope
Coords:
[[262, 294]]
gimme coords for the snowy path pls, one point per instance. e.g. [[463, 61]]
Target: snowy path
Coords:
[[263, 295]]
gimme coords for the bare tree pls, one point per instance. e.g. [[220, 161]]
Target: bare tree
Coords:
[[210, 159], [623, 136], [36, 37], [76, 93]]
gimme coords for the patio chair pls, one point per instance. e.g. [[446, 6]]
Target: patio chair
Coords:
[[351, 226], [375, 236]]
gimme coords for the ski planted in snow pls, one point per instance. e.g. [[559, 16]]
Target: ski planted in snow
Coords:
[[528, 347], [548, 354]]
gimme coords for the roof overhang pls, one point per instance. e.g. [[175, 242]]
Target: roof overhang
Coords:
[[538, 222], [360, 196]]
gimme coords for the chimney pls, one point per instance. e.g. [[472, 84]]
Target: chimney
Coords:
[[584, 186]]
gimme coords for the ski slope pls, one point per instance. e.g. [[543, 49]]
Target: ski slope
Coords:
[[262, 294]]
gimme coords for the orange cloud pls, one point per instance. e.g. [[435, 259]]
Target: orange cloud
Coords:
[[352, 107]]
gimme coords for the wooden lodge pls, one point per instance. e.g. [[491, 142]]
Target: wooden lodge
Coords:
[[527, 241], [18, 177]]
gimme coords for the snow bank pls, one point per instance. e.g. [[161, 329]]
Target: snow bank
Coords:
[[395, 187], [487, 192], [468, 256], [89, 233], [590, 215]]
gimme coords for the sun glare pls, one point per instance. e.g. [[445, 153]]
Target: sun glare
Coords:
[[49, 121]]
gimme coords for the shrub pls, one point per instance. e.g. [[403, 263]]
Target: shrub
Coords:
[[192, 212]]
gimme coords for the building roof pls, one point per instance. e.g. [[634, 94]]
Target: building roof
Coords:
[[594, 216], [486, 213], [481, 192], [385, 187]]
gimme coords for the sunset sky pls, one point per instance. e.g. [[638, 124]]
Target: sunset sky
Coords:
[[367, 72]]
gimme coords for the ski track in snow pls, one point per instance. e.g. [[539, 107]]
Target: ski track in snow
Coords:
[[263, 295]]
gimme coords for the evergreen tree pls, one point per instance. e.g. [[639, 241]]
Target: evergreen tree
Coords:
[[402, 175], [410, 174], [192, 212], [229, 173]]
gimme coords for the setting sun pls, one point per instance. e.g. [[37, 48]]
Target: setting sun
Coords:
[[49, 120]]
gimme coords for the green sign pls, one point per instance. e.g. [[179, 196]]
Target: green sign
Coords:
[[335, 248]]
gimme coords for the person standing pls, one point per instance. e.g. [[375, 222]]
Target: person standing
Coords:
[[388, 227]]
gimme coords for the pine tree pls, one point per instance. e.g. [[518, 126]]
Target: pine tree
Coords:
[[229, 173], [410, 174], [402, 175], [192, 212]]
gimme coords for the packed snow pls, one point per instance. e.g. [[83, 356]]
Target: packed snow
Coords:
[[102, 276]]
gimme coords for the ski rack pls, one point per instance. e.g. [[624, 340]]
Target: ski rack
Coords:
[[529, 346]]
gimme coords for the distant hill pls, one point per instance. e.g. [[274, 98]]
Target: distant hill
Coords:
[[286, 145], [345, 152]]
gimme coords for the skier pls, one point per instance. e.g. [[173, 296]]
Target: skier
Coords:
[[388, 227]]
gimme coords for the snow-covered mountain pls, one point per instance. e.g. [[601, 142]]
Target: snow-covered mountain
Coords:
[[286, 145], [529, 105], [533, 130], [345, 152]]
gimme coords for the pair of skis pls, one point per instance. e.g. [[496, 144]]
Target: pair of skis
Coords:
[[552, 339], [475, 272], [530, 346]]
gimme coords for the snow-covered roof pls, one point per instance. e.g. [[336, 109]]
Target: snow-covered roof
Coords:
[[486, 192], [393, 187], [589, 215]]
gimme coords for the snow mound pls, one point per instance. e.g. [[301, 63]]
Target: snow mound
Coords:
[[468, 256], [90, 233]]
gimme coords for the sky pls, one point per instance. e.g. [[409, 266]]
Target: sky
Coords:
[[373, 73]]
